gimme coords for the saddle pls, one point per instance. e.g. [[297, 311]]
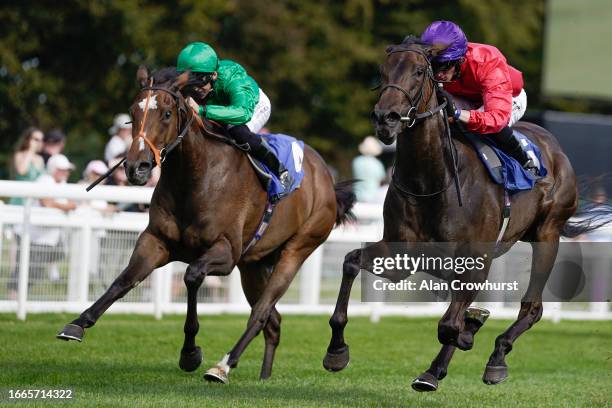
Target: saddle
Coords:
[[503, 169], [288, 150]]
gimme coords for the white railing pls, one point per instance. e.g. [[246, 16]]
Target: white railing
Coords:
[[96, 247]]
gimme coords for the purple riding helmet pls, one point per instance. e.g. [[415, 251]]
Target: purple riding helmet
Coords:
[[446, 32]]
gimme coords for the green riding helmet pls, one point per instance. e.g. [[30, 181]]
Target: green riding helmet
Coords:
[[197, 57]]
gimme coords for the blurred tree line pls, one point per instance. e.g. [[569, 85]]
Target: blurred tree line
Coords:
[[71, 64]]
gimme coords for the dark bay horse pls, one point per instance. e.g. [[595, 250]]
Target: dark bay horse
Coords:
[[205, 210], [422, 206]]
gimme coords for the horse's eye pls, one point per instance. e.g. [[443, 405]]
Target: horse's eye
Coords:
[[167, 114], [420, 71]]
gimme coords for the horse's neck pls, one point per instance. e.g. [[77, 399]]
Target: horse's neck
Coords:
[[421, 157], [197, 157]]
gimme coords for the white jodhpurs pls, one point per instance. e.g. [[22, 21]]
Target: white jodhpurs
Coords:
[[261, 113]]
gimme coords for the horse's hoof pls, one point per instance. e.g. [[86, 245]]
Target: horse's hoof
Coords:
[[191, 361], [336, 361], [71, 332], [495, 375], [477, 314], [216, 374], [425, 382]]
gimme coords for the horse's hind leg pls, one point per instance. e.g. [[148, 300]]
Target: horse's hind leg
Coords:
[[150, 253], [337, 356], [254, 279], [292, 257], [217, 260], [544, 254]]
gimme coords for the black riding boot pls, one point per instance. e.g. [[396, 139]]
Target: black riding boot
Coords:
[[510, 145], [261, 151]]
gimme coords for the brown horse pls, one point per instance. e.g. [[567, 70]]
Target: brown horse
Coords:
[[422, 206], [205, 210]]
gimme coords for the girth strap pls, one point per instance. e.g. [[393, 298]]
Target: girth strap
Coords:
[[506, 215], [263, 226]]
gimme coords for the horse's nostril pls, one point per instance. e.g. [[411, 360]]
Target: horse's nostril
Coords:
[[392, 117], [144, 166]]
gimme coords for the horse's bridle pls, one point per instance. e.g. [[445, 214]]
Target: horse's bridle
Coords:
[[412, 117], [179, 101], [417, 117], [181, 108]]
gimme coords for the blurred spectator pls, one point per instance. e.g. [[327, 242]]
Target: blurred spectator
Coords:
[[368, 170], [58, 171], [55, 141], [27, 164], [118, 178], [381, 193], [93, 171], [121, 133], [47, 243]]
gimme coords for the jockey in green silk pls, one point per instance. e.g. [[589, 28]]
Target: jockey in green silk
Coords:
[[221, 90]]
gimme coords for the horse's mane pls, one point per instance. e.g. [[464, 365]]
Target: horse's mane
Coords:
[[413, 40], [164, 75], [409, 42]]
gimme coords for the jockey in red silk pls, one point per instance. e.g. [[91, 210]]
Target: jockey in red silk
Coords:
[[482, 82]]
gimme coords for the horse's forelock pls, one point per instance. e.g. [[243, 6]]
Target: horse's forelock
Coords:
[[165, 76], [409, 42]]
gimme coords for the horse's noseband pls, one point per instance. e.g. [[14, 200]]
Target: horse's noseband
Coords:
[[412, 117], [161, 154]]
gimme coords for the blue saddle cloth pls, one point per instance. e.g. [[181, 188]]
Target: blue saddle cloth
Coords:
[[511, 174], [290, 152]]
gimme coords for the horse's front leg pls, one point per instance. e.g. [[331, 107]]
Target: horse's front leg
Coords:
[[150, 253], [460, 323], [428, 380], [337, 356], [217, 260]]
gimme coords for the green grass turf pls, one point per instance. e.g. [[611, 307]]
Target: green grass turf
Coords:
[[132, 361]]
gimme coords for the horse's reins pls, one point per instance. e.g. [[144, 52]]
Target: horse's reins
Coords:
[[161, 154], [412, 117]]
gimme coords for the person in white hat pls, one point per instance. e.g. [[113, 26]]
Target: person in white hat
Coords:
[[121, 139], [58, 171], [368, 170], [93, 171]]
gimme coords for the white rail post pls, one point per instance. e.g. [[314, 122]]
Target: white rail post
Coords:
[[310, 278], [24, 261], [83, 275], [157, 284], [167, 284], [236, 295], [555, 308]]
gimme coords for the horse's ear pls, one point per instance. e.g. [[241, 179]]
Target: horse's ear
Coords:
[[436, 49], [180, 81], [142, 76]]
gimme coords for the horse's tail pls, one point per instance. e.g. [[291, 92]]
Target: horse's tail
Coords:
[[589, 218], [345, 199]]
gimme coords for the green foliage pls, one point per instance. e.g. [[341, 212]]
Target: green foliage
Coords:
[[72, 64]]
